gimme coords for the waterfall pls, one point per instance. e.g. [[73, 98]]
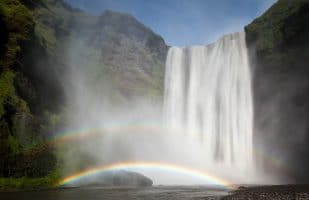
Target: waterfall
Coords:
[[208, 97]]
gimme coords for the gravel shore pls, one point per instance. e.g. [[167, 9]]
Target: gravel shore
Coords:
[[278, 192]]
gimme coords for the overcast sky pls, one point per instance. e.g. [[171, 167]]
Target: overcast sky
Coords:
[[184, 22]]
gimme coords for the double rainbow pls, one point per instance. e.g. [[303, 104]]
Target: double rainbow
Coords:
[[80, 134], [83, 133]]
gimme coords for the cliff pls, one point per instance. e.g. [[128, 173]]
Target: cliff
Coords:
[[36, 40], [279, 45]]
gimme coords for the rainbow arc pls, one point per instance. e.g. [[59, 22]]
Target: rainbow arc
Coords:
[[207, 177]]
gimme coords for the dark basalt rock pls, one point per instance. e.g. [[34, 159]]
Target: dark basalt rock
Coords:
[[119, 178], [125, 178]]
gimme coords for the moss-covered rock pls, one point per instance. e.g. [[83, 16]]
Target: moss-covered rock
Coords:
[[19, 23], [19, 91]]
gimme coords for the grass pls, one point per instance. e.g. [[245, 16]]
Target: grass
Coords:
[[25, 183]]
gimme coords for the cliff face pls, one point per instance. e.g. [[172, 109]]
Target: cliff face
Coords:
[[19, 125], [130, 50], [131, 56], [35, 49], [279, 45]]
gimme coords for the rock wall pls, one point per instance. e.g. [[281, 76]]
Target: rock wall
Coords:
[[279, 45]]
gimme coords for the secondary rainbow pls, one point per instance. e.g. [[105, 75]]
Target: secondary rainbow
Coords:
[[207, 177], [86, 132]]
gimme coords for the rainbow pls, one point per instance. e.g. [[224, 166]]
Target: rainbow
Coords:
[[82, 133], [211, 179], [68, 136]]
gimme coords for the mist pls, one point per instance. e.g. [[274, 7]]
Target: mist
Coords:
[[121, 126]]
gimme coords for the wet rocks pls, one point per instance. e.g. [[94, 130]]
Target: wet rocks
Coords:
[[278, 192]]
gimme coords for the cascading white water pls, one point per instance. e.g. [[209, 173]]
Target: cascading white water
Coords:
[[208, 97]]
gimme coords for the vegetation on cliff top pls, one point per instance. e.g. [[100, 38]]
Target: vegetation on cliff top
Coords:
[[279, 31]]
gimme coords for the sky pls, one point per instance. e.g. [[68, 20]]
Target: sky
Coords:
[[184, 22]]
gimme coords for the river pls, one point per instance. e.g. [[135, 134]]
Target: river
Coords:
[[96, 193]]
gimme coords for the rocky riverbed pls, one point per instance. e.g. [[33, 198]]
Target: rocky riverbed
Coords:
[[278, 192]]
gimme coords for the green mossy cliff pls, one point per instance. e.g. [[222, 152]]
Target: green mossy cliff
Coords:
[[36, 40], [279, 45], [23, 119]]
